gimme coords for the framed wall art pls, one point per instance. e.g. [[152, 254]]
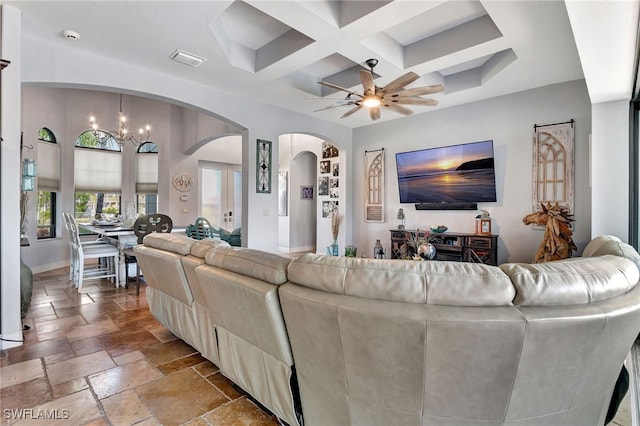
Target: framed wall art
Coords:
[[553, 168], [329, 151], [323, 186], [374, 186], [328, 207], [306, 192], [183, 182], [263, 167]]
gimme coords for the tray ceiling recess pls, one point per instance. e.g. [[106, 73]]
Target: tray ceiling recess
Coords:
[[253, 40]]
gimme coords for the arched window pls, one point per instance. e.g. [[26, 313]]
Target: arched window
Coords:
[[147, 178], [48, 183], [46, 135], [97, 140], [148, 147], [97, 175]]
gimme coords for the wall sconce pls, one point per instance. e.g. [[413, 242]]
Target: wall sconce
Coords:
[[29, 171]]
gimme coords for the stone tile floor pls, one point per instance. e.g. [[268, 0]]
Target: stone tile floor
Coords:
[[100, 358]]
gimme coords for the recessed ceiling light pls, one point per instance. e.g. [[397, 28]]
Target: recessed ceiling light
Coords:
[[71, 35], [187, 58]]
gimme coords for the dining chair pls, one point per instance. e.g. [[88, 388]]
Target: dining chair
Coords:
[[201, 229], [156, 222], [108, 257], [67, 219]]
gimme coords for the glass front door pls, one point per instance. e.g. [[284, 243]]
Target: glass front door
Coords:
[[221, 194]]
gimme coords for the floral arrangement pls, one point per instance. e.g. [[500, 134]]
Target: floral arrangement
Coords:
[[416, 246]]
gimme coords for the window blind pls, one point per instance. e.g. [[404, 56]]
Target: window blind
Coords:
[[48, 166], [146, 173], [98, 171]]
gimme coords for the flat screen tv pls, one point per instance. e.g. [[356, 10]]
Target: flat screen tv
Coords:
[[447, 175]]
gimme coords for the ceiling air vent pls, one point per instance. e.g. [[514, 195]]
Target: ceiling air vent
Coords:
[[187, 58]]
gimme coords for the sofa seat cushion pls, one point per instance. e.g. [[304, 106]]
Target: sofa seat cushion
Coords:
[[257, 264], [201, 247], [433, 282], [175, 243], [571, 281]]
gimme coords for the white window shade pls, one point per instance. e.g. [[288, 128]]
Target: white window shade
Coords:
[[48, 167], [98, 171], [147, 173]]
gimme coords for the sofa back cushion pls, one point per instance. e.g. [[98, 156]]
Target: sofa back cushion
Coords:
[[608, 244], [571, 281], [441, 283], [172, 242], [257, 264], [163, 271], [201, 247]]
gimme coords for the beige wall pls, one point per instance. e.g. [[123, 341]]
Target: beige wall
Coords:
[[508, 120]]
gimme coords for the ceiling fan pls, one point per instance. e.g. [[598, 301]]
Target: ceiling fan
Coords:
[[391, 96]]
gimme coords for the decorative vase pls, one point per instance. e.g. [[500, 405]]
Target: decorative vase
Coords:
[[334, 248]]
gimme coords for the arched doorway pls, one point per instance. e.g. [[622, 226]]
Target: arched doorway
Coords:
[[297, 192]]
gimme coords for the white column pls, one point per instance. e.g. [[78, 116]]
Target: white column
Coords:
[[610, 169], [10, 119]]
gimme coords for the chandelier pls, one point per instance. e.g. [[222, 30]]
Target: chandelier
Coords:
[[122, 135]]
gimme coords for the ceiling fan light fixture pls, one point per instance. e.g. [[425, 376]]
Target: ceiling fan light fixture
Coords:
[[390, 97], [371, 101]]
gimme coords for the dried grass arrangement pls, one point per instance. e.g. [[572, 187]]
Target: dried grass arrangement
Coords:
[[335, 224]]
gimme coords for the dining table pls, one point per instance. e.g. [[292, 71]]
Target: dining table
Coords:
[[121, 236]]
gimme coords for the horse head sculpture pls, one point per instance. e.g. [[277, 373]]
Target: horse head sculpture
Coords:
[[557, 242]]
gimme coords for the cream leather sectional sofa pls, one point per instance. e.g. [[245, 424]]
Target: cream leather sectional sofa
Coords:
[[347, 341]]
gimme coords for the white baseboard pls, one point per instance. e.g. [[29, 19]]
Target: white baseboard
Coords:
[[300, 249], [50, 266], [11, 340]]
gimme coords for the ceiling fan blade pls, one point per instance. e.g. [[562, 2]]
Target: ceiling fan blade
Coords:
[[351, 111], [400, 82], [418, 91], [413, 101], [327, 97], [334, 106], [374, 113], [367, 82], [399, 109], [335, 86]]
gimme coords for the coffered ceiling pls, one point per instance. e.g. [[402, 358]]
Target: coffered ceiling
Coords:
[[277, 51]]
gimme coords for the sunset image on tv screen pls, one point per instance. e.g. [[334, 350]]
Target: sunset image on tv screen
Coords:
[[458, 173]]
